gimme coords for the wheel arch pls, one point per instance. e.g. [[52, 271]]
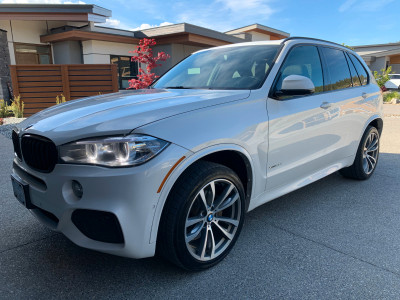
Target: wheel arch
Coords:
[[229, 155], [377, 123]]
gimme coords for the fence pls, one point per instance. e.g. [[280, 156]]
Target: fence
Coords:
[[38, 85]]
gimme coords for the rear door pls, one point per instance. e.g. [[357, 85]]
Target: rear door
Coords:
[[348, 95]]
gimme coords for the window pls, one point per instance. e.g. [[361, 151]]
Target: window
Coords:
[[30, 54], [354, 75], [304, 61], [362, 73], [243, 67], [338, 70], [126, 70], [394, 76]]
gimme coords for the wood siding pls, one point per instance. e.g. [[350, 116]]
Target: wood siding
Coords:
[[38, 85]]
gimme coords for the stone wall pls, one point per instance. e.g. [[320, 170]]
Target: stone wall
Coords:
[[5, 77]]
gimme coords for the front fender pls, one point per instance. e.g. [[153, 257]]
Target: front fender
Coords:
[[182, 166]]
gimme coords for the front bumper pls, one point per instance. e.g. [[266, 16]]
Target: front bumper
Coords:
[[130, 194]]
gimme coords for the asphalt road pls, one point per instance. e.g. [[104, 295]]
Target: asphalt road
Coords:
[[336, 238]]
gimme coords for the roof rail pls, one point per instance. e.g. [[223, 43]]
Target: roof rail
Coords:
[[307, 38]]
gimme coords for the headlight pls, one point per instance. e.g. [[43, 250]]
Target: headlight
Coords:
[[130, 150]]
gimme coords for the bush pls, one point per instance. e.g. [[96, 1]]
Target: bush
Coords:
[[17, 106], [5, 110], [383, 77], [388, 97]]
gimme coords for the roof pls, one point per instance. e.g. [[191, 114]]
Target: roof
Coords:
[[257, 43], [68, 12], [183, 33], [259, 28], [377, 45], [186, 28]]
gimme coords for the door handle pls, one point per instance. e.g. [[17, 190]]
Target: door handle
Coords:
[[326, 105], [364, 95]]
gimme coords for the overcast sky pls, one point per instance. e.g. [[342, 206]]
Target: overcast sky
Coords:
[[354, 22]]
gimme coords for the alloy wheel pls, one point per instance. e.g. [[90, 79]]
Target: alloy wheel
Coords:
[[371, 152], [212, 220]]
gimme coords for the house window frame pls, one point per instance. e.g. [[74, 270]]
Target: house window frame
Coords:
[[120, 78], [33, 44]]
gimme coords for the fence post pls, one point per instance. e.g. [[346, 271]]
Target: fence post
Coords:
[[65, 82], [14, 80], [114, 78]]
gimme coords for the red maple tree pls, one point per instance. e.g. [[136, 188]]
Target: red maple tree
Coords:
[[144, 55]]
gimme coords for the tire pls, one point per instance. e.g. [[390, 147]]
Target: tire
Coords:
[[366, 158], [194, 231]]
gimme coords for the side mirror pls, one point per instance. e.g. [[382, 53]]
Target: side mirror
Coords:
[[296, 85]]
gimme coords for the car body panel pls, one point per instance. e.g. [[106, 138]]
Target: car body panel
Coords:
[[288, 144], [120, 112]]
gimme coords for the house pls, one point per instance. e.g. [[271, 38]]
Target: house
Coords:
[[73, 34], [381, 56]]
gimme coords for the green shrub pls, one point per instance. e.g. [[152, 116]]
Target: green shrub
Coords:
[[383, 77], [5, 110], [17, 106], [388, 97]]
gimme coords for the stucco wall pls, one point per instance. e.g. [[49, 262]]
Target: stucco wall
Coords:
[[67, 52], [257, 36], [98, 52], [378, 64]]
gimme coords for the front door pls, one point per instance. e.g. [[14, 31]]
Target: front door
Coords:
[[300, 137]]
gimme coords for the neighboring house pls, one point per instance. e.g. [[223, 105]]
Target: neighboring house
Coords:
[[381, 56], [71, 34]]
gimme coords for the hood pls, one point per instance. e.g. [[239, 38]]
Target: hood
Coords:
[[121, 112]]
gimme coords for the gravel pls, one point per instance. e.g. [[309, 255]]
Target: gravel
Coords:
[[9, 123]]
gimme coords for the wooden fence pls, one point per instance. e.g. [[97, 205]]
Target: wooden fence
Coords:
[[38, 85]]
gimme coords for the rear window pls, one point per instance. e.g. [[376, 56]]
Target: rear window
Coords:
[[394, 76], [362, 73], [354, 74], [338, 71]]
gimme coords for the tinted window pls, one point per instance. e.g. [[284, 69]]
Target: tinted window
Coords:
[[243, 67], [126, 70], [394, 76], [304, 61], [354, 75], [338, 70], [360, 70]]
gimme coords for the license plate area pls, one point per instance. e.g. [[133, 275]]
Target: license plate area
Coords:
[[21, 192]]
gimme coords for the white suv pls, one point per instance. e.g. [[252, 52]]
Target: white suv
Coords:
[[173, 169]]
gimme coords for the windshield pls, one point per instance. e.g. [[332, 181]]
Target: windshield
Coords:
[[243, 67], [395, 76]]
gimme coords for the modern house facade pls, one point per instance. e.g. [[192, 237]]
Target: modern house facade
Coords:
[[381, 56], [72, 34]]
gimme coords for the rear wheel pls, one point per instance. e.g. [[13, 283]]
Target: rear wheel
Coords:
[[367, 156], [203, 216]]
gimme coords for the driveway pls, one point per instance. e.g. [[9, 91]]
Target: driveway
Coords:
[[336, 238]]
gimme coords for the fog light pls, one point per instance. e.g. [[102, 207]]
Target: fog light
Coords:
[[77, 189]]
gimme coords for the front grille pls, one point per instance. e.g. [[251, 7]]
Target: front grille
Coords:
[[17, 146], [39, 153]]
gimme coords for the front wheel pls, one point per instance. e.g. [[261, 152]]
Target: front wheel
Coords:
[[366, 158], [203, 216]]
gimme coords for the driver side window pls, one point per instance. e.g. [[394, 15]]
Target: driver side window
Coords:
[[304, 61]]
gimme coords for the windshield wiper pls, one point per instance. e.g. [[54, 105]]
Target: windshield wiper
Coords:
[[180, 87]]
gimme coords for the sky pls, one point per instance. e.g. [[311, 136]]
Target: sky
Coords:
[[353, 22]]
